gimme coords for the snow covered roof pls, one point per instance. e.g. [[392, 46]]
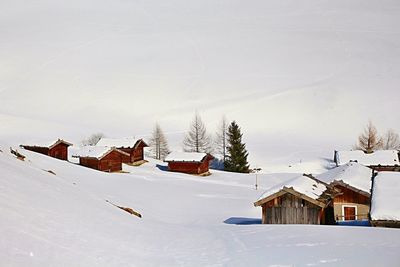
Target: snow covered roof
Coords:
[[352, 173], [379, 157], [95, 152], [385, 202], [303, 184], [186, 156], [48, 143], [128, 142]]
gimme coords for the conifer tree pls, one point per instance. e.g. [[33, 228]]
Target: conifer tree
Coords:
[[197, 139], [158, 144], [236, 160], [369, 141], [391, 140]]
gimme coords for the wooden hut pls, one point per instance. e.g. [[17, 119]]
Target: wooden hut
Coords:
[[57, 149], [301, 200], [354, 182], [385, 200], [134, 147], [189, 162], [107, 159], [381, 160]]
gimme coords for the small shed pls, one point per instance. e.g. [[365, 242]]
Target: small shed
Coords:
[[107, 159], [354, 181], [380, 160], [134, 147], [57, 148], [301, 200], [189, 162], [385, 200]]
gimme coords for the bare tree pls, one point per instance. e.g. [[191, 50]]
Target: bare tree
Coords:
[[159, 144], [92, 140], [369, 140], [391, 140], [221, 136], [197, 139]]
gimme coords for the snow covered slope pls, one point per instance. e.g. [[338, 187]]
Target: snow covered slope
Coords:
[[305, 75], [64, 220]]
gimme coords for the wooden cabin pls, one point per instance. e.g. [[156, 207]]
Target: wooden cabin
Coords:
[[353, 180], [189, 162], [106, 159], [380, 160], [385, 200], [301, 200], [57, 149], [134, 147]]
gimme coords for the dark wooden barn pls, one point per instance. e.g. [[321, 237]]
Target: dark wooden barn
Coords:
[[107, 159], [189, 162], [302, 200], [134, 147], [57, 149]]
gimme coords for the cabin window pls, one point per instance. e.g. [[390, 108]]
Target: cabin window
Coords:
[[303, 203], [349, 213]]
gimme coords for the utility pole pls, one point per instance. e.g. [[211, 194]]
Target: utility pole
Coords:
[[256, 170]]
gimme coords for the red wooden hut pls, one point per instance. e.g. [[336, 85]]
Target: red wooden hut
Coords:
[[189, 162], [107, 159], [57, 149], [134, 147]]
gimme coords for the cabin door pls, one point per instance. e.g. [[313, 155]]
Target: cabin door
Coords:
[[349, 213]]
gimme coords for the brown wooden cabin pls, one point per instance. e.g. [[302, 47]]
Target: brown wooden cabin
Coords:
[[57, 149], [106, 160], [189, 162], [352, 204], [353, 180], [289, 206], [134, 147]]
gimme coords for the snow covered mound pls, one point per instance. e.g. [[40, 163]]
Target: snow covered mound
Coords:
[[62, 219], [385, 197]]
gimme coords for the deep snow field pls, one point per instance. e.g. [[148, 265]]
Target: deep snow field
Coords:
[[64, 220]]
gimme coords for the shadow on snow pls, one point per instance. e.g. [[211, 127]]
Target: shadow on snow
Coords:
[[242, 221]]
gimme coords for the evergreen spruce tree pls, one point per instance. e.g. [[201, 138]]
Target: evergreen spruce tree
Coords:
[[236, 160]]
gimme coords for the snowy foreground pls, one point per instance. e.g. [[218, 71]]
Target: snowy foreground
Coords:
[[64, 220]]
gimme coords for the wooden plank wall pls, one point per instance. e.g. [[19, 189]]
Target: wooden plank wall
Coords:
[[291, 215]]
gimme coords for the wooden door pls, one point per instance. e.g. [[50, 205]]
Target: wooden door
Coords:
[[349, 213]]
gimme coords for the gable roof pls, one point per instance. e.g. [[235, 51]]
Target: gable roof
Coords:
[[385, 201], [302, 186], [127, 142], [187, 157], [48, 144], [352, 175], [379, 157], [97, 152]]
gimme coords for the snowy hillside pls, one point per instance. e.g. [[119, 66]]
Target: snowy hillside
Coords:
[[64, 220], [305, 76]]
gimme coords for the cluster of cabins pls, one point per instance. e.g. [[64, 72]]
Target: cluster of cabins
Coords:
[[362, 189], [109, 154]]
